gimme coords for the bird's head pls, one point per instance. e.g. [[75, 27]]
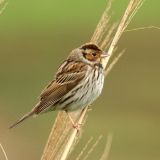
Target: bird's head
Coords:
[[89, 53]]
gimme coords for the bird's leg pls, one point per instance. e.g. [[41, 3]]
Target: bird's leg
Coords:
[[75, 124]]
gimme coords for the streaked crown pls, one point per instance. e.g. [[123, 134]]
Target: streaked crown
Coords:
[[88, 53], [91, 52]]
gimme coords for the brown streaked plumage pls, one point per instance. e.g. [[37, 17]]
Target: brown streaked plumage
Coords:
[[77, 83], [67, 78]]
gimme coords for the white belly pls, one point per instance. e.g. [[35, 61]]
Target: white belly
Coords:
[[89, 90]]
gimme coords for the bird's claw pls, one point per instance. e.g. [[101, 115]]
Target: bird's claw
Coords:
[[77, 126]]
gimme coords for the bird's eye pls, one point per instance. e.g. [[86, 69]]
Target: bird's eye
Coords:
[[84, 54], [94, 54]]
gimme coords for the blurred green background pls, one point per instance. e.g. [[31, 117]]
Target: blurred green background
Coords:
[[36, 35]]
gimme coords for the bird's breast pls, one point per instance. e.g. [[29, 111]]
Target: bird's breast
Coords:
[[87, 91]]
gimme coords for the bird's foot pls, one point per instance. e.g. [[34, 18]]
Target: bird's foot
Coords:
[[77, 126]]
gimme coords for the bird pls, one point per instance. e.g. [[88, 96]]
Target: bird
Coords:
[[77, 83]]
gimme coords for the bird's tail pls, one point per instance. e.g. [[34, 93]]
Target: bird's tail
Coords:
[[22, 119]]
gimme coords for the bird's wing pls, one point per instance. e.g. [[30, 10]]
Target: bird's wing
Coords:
[[69, 74]]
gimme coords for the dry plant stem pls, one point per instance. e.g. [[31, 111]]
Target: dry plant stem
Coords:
[[142, 28], [79, 135], [135, 8], [3, 151], [102, 25], [131, 10], [109, 68], [54, 137], [92, 147], [84, 148], [108, 36], [106, 152], [119, 32], [73, 135]]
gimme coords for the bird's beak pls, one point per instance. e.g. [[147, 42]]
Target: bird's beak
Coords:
[[104, 55]]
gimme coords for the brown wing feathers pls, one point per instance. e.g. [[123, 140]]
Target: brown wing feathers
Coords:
[[67, 77], [65, 80]]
